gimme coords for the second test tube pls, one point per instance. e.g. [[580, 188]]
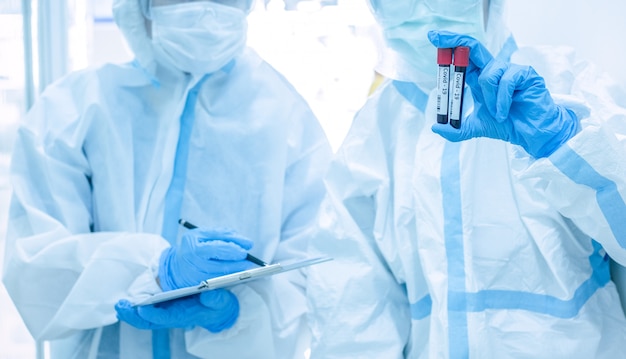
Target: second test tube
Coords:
[[460, 62]]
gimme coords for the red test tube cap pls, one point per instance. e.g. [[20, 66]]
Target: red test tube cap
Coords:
[[461, 56], [444, 56]]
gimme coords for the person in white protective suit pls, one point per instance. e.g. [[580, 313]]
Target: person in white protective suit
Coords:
[[487, 241], [108, 160]]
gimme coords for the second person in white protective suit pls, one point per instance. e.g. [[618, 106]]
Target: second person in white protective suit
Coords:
[[109, 159], [489, 241]]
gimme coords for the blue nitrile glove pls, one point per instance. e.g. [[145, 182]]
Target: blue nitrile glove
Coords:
[[201, 255], [511, 102], [213, 310]]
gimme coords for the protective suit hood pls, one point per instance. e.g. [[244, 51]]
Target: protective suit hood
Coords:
[[129, 18]]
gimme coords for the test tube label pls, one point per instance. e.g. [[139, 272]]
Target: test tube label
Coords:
[[442, 94], [457, 93]]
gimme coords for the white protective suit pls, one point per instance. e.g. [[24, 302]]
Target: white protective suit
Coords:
[[473, 249], [92, 164]]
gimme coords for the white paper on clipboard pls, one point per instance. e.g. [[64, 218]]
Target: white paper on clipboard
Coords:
[[231, 279]]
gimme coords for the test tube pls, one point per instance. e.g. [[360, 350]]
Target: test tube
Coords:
[[444, 60], [460, 62]]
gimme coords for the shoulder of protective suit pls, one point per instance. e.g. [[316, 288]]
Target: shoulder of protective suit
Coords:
[[558, 65], [113, 75], [64, 101], [567, 73]]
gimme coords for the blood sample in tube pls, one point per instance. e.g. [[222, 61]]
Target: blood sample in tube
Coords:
[[460, 62], [444, 60]]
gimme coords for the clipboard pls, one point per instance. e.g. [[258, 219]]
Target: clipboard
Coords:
[[231, 280]]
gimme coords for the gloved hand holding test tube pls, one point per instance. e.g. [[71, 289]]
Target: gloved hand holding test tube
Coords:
[[511, 101]]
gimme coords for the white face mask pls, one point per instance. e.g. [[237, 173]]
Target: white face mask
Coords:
[[405, 26], [198, 37]]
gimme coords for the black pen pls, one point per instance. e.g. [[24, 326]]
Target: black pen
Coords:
[[249, 257]]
